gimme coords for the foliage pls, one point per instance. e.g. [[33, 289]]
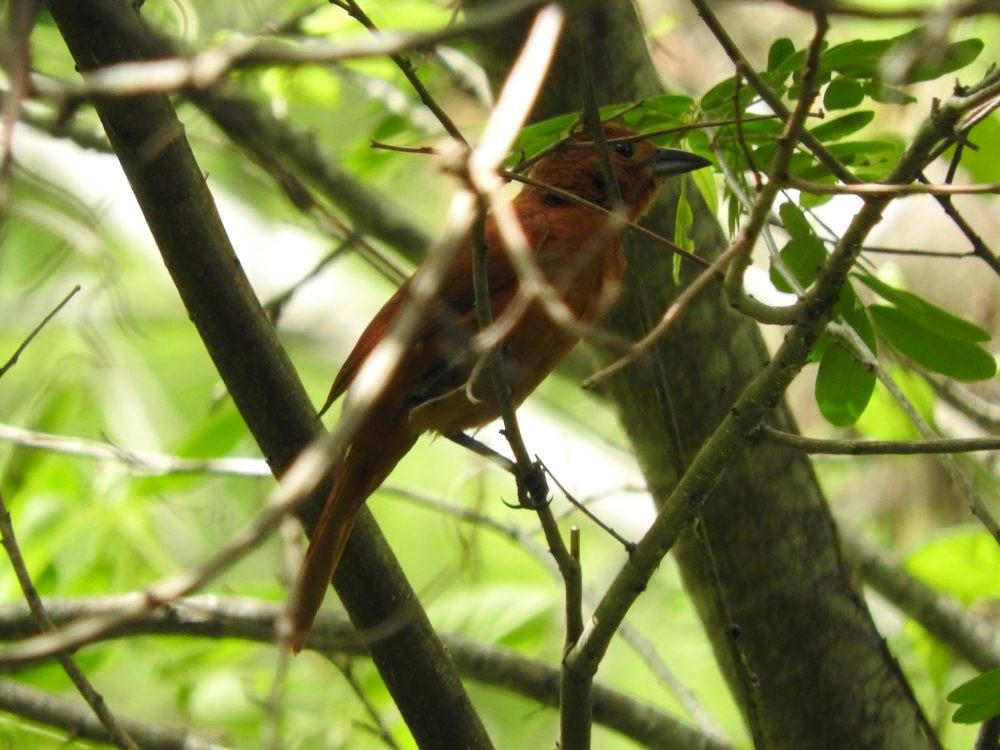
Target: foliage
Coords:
[[122, 365]]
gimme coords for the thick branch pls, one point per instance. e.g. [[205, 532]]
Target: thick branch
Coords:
[[172, 193], [250, 619]]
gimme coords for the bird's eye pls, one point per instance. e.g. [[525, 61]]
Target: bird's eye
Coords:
[[623, 148]]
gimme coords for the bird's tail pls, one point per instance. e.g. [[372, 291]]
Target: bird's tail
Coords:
[[369, 460]]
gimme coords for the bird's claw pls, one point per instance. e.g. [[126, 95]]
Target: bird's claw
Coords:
[[532, 488]]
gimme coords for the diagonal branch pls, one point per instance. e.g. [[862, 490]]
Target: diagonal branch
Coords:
[[173, 195], [760, 396]]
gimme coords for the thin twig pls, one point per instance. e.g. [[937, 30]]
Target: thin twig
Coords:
[[979, 246], [877, 447], [83, 685], [957, 10], [204, 69], [876, 188], [406, 68], [789, 139], [984, 412], [859, 348], [140, 462], [672, 314], [755, 403], [529, 69], [766, 93], [31, 336], [625, 543], [21, 18], [625, 223], [378, 726]]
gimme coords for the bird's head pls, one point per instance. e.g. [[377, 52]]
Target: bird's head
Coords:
[[639, 166]]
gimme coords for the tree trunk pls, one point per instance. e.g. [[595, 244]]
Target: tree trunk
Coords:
[[794, 638]]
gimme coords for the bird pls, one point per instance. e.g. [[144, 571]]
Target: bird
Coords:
[[440, 384]]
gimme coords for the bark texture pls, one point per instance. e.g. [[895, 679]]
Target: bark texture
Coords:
[[763, 564]]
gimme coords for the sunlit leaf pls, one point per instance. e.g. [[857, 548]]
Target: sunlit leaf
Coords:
[[885, 419], [963, 563], [722, 95]]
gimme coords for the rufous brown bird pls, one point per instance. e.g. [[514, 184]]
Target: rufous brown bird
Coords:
[[580, 255]]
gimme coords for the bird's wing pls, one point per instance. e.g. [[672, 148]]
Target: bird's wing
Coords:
[[456, 302]]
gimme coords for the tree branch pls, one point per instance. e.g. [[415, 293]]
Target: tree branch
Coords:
[[760, 396], [171, 191], [79, 723], [947, 619], [877, 447], [251, 619]]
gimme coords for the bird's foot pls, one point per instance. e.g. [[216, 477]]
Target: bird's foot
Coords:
[[532, 487]]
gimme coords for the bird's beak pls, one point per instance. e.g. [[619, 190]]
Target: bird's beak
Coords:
[[671, 161]]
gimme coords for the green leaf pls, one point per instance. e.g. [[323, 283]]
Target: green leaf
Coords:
[[887, 94], [682, 227], [978, 688], [979, 698], [754, 132], [794, 221], [843, 93], [822, 176], [803, 257], [934, 64], [843, 386], [656, 113], [704, 180], [931, 316], [819, 348], [856, 153], [858, 58], [780, 51], [948, 356], [721, 95], [734, 212], [534, 138], [841, 127]]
